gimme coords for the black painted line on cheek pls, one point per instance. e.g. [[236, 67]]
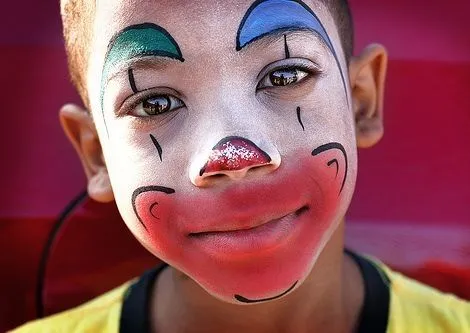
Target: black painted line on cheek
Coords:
[[334, 145], [334, 161], [143, 189], [286, 47], [157, 145], [246, 300], [130, 74], [151, 210], [300, 119]]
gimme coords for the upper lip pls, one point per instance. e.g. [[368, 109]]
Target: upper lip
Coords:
[[245, 204]]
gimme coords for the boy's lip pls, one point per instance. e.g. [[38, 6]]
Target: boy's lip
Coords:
[[246, 226], [237, 243]]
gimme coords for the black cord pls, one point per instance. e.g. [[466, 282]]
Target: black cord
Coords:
[[47, 249]]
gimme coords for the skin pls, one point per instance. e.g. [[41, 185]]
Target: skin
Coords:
[[281, 169]]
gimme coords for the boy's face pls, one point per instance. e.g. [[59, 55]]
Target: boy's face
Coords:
[[228, 135]]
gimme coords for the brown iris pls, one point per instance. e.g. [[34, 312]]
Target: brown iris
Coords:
[[156, 105], [283, 77]]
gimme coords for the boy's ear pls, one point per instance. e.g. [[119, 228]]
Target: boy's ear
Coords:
[[80, 129], [367, 78]]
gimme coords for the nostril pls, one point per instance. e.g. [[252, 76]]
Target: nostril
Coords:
[[217, 176]]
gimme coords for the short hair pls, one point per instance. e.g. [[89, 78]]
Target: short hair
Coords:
[[78, 20]]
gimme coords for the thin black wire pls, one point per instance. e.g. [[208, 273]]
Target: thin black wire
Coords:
[[47, 249]]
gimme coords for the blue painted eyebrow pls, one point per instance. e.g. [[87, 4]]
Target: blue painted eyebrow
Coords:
[[266, 17]]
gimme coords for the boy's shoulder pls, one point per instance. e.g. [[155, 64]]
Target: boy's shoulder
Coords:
[[416, 307], [393, 304], [98, 315]]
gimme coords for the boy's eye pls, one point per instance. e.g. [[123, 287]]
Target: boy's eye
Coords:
[[155, 105], [282, 77]]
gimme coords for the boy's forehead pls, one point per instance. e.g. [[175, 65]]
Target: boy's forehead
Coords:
[[211, 18]]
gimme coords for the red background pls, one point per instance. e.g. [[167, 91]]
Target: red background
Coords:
[[412, 201]]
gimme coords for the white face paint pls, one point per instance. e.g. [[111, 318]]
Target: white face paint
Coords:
[[234, 166]]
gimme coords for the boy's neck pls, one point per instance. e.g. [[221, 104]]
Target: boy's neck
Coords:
[[329, 300]]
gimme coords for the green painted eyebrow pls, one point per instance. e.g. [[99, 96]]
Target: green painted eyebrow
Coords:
[[135, 41]]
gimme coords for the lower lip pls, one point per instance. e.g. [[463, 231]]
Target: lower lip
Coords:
[[265, 237]]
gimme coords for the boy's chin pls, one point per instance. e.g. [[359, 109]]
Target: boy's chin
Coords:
[[263, 278], [271, 285]]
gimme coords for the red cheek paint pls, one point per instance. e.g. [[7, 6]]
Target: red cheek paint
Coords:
[[328, 152], [253, 238], [151, 203], [234, 153]]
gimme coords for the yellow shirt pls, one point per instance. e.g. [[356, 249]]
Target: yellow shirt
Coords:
[[393, 304]]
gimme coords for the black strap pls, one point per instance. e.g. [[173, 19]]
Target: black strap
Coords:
[[46, 252], [375, 311], [373, 319], [135, 307]]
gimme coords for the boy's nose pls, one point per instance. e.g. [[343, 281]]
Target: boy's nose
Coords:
[[234, 157]]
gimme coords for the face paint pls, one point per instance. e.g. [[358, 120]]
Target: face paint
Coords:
[[141, 40], [234, 154], [242, 299], [267, 17], [327, 148], [256, 227], [130, 74], [299, 119], [157, 145], [254, 233], [286, 48], [151, 203]]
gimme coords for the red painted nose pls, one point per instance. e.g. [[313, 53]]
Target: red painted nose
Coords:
[[234, 153]]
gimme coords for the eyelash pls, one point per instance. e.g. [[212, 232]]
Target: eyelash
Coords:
[[306, 70]]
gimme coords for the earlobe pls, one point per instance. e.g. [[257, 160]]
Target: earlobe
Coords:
[[367, 78], [78, 125]]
